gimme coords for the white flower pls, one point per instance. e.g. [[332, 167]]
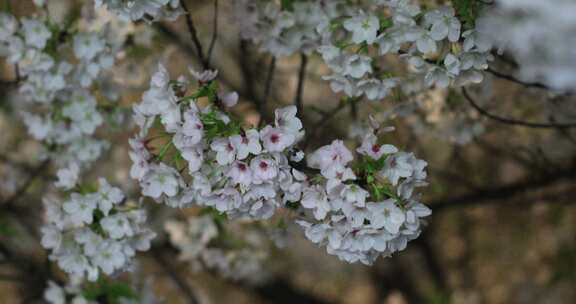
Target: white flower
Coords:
[[40, 128], [285, 118], [339, 83], [452, 64], [437, 76], [54, 294], [315, 198], [444, 24], [194, 156], [247, 143], [51, 236], [386, 214], [225, 199], [315, 233], [68, 177], [424, 42], [370, 147], [330, 157], [108, 196], [354, 213], [36, 33], [355, 194], [396, 167], [376, 89], [159, 180], [363, 27], [117, 226], [8, 26], [275, 139], [229, 99], [240, 173], [109, 257], [88, 45], [357, 65], [191, 132], [225, 151], [204, 76], [263, 169], [80, 208]]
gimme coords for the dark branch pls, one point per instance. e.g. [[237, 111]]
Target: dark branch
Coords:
[[36, 172], [214, 32], [194, 36], [529, 84], [172, 272], [511, 121], [492, 195], [267, 87], [300, 88]]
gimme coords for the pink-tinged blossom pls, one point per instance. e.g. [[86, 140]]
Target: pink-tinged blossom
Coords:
[[275, 139], [247, 143]]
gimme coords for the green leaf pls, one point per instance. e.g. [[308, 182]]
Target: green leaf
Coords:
[[110, 292], [288, 5], [467, 12]]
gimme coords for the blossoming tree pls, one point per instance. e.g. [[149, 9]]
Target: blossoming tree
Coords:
[[221, 188]]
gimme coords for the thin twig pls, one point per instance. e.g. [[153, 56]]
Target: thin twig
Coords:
[[511, 121], [267, 86], [491, 195], [194, 36], [214, 32], [20, 191], [174, 275], [511, 78], [325, 119], [300, 88]]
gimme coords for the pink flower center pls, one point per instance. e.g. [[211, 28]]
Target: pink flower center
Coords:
[[275, 138], [263, 165], [229, 147], [242, 167], [375, 148]]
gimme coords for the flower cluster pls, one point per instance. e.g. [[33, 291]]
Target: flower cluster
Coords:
[[94, 231], [283, 30], [56, 294], [77, 292], [528, 30], [432, 42], [207, 158], [352, 41], [61, 110], [149, 10], [236, 254], [367, 209], [188, 155]]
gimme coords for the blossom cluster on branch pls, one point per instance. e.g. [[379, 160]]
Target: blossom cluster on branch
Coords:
[[191, 154], [93, 231], [58, 68], [148, 10], [353, 38]]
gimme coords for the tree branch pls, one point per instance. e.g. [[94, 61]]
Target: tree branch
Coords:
[[518, 81], [267, 87], [36, 172], [174, 275], [194, 36], [214, 32], [300, 87], [511, 121], [491, 195]]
